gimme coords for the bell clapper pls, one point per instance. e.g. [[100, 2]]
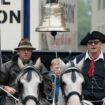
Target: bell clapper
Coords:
[[54, 33]]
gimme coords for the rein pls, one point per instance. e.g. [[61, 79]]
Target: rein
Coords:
[[72, 69], [30, 97], [95, 101], [27, 69], [72, 93]]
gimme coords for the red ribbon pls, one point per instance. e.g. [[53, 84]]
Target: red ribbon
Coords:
[[91, 69]]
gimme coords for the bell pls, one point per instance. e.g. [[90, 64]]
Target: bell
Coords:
[[52, 18]]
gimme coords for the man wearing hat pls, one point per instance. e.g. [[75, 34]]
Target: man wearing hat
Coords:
[[10, 69], [93, 68]]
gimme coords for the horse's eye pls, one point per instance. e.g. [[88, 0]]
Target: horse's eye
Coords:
[[20, 87], [63, 83]]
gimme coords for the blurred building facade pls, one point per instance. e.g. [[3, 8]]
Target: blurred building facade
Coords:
[[11, 33], [98, 16]]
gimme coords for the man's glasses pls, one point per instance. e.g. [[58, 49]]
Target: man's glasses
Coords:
[[93, 42]]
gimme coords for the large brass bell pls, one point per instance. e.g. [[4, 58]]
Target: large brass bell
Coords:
[[52, 18]]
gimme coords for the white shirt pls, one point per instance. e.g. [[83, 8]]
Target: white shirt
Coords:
[[87, 57], [99, 57]]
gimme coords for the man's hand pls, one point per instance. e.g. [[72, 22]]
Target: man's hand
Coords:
[[10, 90], [56, 66]]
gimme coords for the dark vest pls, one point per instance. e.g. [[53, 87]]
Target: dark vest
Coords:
[[93, 88]]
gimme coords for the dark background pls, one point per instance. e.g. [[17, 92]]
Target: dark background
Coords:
[[46, 56]]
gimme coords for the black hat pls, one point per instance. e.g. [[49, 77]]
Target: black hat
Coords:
[[24, 43], [91, 36]]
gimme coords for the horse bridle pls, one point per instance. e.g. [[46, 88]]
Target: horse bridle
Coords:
[[24, 71], [66, 97], [30, 97]]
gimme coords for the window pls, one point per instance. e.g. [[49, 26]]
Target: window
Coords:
[[103, 4], [99, 4], [103, 28]]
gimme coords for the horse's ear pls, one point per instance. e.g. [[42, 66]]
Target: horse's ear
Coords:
[[38, 63], [64, 65], [80, 64], [62, 62], [20, 63], [69, 64]]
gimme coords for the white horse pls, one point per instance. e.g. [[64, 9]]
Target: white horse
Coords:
[[29, 82], [71, 81]]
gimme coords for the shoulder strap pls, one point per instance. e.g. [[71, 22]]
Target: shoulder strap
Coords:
[[104, 56]]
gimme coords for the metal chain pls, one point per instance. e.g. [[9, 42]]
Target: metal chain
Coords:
[[96, 83]]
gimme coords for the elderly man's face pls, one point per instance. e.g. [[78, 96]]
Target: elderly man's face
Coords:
[[94, 46], [25, 54]]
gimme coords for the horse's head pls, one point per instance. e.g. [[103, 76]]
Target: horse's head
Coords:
[[71, 81], [28, 83]]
